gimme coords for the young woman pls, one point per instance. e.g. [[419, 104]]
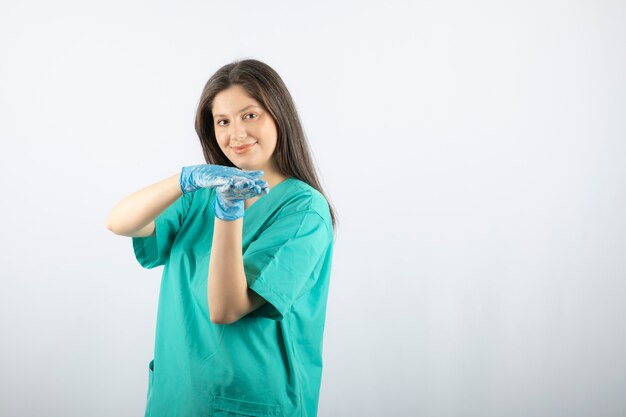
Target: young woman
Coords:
[[247, 242]]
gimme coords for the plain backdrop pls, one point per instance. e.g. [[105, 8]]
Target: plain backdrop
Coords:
[[475, 153]]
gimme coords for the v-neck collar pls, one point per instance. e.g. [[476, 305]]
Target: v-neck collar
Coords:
[[269, 194]]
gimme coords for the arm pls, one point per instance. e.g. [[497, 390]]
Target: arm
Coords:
[[135, 214], [228, 293]]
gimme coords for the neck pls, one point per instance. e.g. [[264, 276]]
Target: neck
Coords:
[[272, 175], [273, 179]]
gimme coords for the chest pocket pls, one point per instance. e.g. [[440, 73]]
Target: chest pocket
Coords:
[[230, 407]]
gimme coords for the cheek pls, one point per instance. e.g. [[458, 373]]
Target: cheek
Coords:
[[270, 137], [222, 141]]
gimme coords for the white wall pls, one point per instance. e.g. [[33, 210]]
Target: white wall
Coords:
[[475, 152]]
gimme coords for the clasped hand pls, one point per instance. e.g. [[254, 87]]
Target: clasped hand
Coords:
[[232, 187]]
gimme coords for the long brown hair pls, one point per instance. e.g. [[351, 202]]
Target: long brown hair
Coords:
[[262, 83]]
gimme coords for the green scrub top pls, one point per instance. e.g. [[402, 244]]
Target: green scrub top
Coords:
[[269, 362]]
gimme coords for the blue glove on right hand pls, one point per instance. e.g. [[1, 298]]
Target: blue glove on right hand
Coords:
[[210, 176], [229, 200]]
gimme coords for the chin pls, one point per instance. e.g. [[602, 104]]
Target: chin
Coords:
[[246, 167]]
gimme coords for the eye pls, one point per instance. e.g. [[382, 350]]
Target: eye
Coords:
[[247, 114]]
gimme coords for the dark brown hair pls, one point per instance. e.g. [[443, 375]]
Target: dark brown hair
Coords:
[[262, 83]]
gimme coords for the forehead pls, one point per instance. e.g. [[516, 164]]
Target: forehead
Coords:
[[232, 100]]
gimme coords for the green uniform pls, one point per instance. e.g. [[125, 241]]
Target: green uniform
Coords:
[[269, 362]]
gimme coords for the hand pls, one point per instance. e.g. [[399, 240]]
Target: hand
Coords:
[[210, 176], [230, 197]]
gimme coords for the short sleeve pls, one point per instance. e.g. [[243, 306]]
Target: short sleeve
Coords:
[[152, 251], [285, 260]]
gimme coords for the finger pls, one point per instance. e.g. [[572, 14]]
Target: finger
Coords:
[[240, 182], [222, 188], [212, 181]]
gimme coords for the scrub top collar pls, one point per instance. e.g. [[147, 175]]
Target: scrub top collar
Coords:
[[268, 197]]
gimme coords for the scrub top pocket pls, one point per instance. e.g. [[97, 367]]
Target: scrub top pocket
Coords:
[[230, 407], [150, 376]]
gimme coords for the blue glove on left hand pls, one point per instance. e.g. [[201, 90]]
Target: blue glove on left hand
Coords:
[[230, 197], [210, 176]]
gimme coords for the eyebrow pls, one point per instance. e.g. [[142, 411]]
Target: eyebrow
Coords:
[[245, 108]]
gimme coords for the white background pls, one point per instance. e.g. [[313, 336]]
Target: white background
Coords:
[[474, 151]]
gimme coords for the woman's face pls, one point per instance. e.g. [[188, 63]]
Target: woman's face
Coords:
[[239, 120]]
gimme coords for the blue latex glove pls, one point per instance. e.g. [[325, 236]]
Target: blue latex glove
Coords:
[[211, 176], [229, 201]]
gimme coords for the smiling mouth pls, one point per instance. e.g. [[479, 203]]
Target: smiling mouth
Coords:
[[242, 147]]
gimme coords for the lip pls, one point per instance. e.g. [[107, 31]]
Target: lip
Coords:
[[244, 148]]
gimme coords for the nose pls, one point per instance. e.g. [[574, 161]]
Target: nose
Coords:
[[238, 132]]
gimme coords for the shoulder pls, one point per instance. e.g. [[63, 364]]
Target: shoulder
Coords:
[[303, 199]]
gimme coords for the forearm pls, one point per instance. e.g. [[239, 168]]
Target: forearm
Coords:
[[227, 286], [140, 208]]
